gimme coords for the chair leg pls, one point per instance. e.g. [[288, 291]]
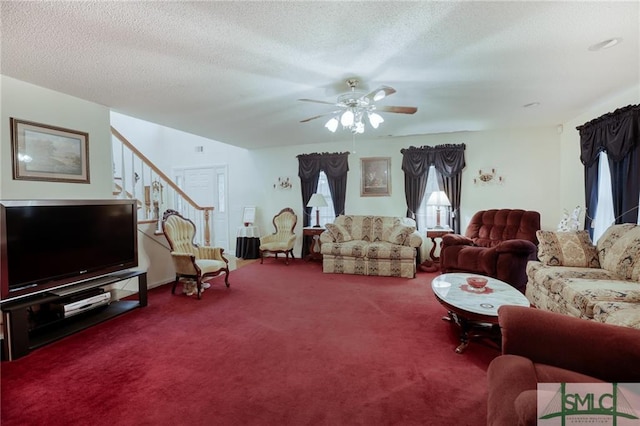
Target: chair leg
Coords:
[[175, 283], [226, 278], [261, 256], [286, 261], [293, 256], [199, 287]]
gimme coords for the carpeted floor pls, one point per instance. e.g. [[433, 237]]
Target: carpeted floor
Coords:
[[285, 345]]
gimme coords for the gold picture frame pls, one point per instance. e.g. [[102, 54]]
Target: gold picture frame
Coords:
[[48, 153], [375, 179]]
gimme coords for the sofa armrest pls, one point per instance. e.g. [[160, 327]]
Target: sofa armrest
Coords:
[[607, 352], [524, 247], [184, 263], [327, 237], [456, 240], [414, 240]]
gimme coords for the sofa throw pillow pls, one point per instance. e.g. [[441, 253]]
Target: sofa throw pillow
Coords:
[[623, 257], [567, 249], [398, 234], [338, 232]]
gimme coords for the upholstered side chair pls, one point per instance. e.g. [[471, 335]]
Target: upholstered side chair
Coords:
[[283, 239], [191, 261]]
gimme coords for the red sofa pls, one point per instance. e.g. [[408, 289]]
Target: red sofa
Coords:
[[497, 243], [547, 347]]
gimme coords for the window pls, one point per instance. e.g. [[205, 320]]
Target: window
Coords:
[[426, 215], [604, 216], [327, 214]]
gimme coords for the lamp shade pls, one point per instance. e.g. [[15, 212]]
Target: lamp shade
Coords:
[[317, 200], [438, 198]]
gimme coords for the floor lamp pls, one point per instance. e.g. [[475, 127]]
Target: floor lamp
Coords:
[[317, 201]]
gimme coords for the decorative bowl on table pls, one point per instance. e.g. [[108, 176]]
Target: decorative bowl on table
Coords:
[[477, 283]]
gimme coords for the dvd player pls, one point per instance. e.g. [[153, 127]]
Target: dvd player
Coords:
[[75, 307]]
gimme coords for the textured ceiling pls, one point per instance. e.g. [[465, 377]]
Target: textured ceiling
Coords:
[[233, 71]]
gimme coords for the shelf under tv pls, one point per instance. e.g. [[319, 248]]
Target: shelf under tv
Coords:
[[24, 333]]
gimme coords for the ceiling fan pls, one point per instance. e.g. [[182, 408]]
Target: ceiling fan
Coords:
[[353, 106]]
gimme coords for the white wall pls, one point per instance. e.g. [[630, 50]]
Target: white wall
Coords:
[[33, 103], [527, 158]]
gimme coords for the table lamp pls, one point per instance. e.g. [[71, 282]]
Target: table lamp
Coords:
[[438, 199], [317, 201]]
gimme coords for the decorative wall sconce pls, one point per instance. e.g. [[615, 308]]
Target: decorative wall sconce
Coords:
[[488, 177], [284, 182]]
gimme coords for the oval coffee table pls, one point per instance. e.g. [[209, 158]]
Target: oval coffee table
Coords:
[[475, 312]]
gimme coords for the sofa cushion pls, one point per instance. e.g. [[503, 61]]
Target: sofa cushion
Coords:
[[386, 250], [353, 248], [609, 238], [338, 232], [398, 234], [623, 256], [567, 249]]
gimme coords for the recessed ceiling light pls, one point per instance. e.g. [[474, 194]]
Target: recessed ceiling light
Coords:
[[531, 105], [605, 44]]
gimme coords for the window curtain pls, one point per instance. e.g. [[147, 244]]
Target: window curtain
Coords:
[[448, 160], [335, 166], [618, 134]]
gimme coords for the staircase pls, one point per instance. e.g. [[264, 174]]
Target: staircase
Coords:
[[136, 177]]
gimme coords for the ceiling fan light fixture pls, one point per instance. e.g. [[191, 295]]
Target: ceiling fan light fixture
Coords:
[[375, 119], [332, 125]]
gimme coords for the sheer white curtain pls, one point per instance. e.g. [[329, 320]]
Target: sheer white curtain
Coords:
[[604, 211], [327, 214], [426, 215]]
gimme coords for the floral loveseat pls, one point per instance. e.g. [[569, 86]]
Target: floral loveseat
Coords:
[[370, 245], [600, 283]]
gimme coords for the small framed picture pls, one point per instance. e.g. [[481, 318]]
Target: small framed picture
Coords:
[[375, 180], [48, 153], [249, 216]]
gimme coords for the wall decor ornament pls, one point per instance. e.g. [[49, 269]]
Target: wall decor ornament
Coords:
[[284, 182], [48, 153], [488, 176], [375, 180]]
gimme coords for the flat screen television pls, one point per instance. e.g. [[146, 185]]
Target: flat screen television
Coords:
[[53, 243]]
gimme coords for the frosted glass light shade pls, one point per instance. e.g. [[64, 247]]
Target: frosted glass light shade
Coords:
[[347, 118], [375, 119], [332, 125]]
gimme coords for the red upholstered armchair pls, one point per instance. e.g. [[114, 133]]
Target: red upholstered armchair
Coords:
[[497, 243]]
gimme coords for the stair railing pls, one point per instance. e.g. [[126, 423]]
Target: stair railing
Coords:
[[136, 177]]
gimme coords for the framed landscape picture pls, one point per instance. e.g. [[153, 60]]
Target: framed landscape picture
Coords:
[[48, 153], [375, 180]]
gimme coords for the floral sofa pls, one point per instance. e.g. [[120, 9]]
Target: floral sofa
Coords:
[[370, 245], [600, 283]]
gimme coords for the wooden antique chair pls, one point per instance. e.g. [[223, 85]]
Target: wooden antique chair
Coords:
[[190, 260], [283, 239]]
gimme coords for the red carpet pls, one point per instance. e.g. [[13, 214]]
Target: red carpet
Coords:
[[285, 345]]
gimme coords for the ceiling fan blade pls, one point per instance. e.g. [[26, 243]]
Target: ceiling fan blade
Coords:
[[317, 116], [397, 109], [316, 101], [380, 93]]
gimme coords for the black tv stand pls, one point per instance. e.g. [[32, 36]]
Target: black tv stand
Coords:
[[25, 330]]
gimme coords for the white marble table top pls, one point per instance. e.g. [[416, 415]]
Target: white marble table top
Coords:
[[454, 290]]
